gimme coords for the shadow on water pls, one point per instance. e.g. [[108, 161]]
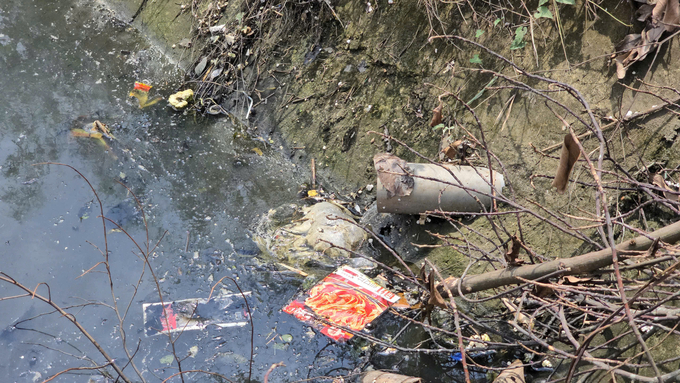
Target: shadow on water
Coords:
[[68, 62]]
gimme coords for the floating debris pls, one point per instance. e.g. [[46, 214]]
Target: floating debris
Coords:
[[141, 93], [227, 310], [346, 298], [97, 131], [181, 100]]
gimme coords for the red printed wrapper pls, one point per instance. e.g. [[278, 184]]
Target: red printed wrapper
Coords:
[[141, 86], [347, 298]]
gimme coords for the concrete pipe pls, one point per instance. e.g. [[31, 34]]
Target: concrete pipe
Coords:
[[434, 188]]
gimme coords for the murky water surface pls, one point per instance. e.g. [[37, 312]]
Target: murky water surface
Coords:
[[65, 64]]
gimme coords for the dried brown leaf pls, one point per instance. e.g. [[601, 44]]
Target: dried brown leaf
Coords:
[[651, 252], [650, 35], [512, 254], [543, 291], [450, 152], [444, 145], [422, 275], [657, 180], [402, 303], [644, 12], [629, 42], [671, 17], [393, 174], [435, 298], [620, 68], [576, 280], [436, 115], [568, 157], [659, 9]]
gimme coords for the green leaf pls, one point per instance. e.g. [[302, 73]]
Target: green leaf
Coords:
[[167, 359], [496, 22], [542, 2], [281, 346], [481, 92], [518, 42], [543, 11], [479, 33], [440, 126], [569, 2], [475, 59]]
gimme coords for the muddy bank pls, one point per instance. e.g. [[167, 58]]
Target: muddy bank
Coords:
[[338, 74]]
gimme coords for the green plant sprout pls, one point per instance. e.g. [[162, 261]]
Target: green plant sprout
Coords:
[[518, 42], [543, 11], [445, 129]]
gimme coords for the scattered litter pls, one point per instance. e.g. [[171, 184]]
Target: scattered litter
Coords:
[[346, 297], [485, 357], [218, 29], [300, 236], [412, 188], [393, 174], [388, 377], [141, 93], [95, 130], [29, 182], [474, 341], [195, 314], [302, 273], [181, 100], [513, 374], [193, 351]]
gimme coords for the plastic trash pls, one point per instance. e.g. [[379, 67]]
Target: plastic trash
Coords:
[[181, 100], [346, 297], [388, 377], [141, 93], [228, 310], [435, 188]]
